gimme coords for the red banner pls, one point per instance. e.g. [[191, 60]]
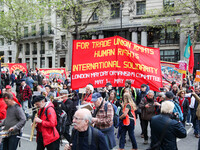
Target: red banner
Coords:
[[114, 60], [59, 73], [17, 67]]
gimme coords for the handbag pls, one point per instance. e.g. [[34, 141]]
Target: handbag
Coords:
[[158, 144]]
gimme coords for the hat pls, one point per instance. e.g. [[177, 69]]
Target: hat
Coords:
[[69, 84], [48, 86], [59, 80], [143, 85], [185, 79], [169, 95], [64, 92], [107, 84], [95, 96], [38, 98], [8, 87], [23, 79]]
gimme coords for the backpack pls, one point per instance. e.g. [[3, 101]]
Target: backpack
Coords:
[[61, 120], [116, 116], [91, 135], [177, 109]]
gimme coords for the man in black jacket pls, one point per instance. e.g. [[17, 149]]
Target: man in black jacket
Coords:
[[64, 105], [85, 137], [165, 130]]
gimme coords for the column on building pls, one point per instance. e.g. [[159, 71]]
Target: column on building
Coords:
[[31, 55], [45, 55], [144, 37], [23, 52], [94, 36], [38, 54], [100, 35], [182, 43], [134, 35], [54, 53]]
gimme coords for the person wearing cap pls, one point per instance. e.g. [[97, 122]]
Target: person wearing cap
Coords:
[[60, 86], [184, 85], [103, 120], [140, 95], [65, 104], [29, 81], [14, 122], [88, 94], [169, 96], [132, 90], [84, 136], [25, 96], [3, 108], [106, 90], [47, 134], [8, 90]]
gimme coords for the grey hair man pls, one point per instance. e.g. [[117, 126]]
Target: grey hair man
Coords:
[[84, 136], [164, 129], [147, 106]]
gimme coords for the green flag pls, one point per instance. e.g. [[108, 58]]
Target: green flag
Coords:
[[187, 48]]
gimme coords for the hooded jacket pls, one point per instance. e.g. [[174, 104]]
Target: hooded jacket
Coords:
[[48, 125]]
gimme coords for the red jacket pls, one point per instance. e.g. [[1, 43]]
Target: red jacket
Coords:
[[48, 125], [3, 108]]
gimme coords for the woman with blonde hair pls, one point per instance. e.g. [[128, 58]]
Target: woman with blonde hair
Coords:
[[127, 122]]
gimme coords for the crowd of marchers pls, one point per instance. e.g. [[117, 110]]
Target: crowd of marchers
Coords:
[[94, 113]]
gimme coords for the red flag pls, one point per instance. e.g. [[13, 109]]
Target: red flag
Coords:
[[191, 61]]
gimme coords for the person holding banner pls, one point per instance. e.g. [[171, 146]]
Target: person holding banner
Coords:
[[132, 90], [88, 95]]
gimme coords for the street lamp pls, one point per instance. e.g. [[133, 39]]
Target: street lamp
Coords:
[[0, 70], [121, 8], [41, 44]]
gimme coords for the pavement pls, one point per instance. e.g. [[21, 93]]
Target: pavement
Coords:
[[188, 143]]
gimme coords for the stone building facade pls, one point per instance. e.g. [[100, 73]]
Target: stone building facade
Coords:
[[125, 19]]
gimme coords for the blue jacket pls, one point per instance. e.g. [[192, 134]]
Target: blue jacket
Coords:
[[29, 82], [174, 130]]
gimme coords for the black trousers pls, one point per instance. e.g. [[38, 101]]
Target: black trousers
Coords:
[[145, 127], [52, 146]]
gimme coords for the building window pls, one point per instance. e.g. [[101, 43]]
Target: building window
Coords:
[[25, 31], [33, 30], [50, 45], [34, 48], [115, 10], [41, 29], [95, 17], [63, 41], [20, 47], [1, 42], [141, 8], [79, 16], [50, 31], [9, 52], [170, 55], [9, 41], [64, 21], [27, 52], [197, 32], [169, 35], [42, 48], [168, 3]]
